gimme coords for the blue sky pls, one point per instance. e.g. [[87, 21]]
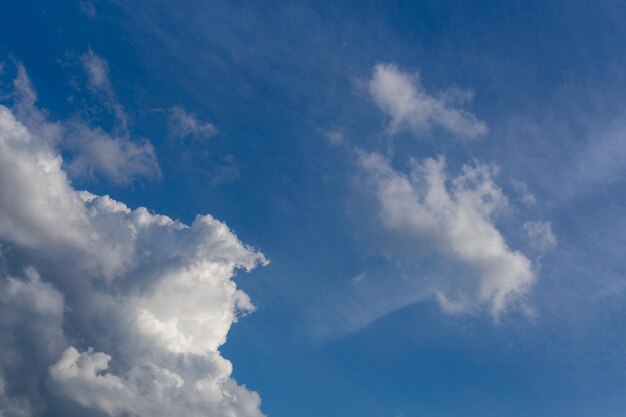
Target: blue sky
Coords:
[[438, 186]]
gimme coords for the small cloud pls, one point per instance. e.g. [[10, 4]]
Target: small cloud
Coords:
[[97, 71], [449, 306], [402, 97], [99, 84], [359, 278], [182, 124], [452, 217], [540, 235], [334, 137]]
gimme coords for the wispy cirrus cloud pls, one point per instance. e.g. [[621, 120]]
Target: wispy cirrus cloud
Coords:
[[182, 124], [98, 82]]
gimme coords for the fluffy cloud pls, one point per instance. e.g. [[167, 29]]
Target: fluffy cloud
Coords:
[[118, 311], [452, 217], [182, 125], [92, 151], [402, 98]]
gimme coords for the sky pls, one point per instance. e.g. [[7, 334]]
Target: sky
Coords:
[[372, 209]]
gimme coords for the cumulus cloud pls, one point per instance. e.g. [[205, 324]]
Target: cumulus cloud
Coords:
[[452, 218], [91, 151], [401, 97], [183, 124], [540, 235], [106, 310]]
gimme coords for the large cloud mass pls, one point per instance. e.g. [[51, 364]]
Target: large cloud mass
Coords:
[[106, 310]]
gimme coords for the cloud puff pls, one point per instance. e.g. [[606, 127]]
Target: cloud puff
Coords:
[[91, 151], [182, 125], [540, 235], [403, 99], [119, 312], [452, 217]]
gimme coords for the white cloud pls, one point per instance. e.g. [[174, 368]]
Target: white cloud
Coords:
[[92, 151], [453, 218], [182, 125], [402, 98], [540, 235], [153, 297]]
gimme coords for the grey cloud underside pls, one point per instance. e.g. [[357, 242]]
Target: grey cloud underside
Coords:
[[108, 310]]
